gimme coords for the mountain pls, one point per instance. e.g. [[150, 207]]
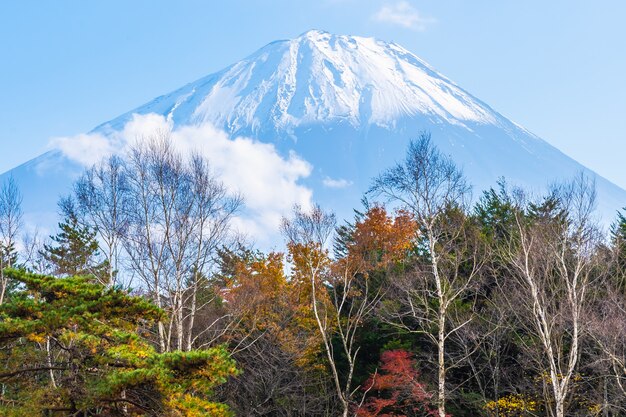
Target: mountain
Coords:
[[348, 106]]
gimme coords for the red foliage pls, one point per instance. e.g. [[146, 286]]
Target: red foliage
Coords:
[[394, 391]]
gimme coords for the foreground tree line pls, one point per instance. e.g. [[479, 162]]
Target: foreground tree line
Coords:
[[147, 303]]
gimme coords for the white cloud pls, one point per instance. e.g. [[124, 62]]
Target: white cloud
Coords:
[[86, 149], [90, 148], [336, 183], [403, 14], [268, 181]]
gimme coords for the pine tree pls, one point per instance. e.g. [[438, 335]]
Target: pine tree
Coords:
[[70, 347], [75, 249], [618, 241], [495, 213]]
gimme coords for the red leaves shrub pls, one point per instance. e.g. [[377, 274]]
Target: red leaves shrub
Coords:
[[394, 390]]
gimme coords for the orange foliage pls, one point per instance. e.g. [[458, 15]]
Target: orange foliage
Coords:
[[265, 300], [380, 240], [258, 291]]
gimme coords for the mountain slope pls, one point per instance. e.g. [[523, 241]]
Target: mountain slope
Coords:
[[348, 105], [320, 78]]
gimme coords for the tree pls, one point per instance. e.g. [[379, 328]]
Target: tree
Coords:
[[10, 225], [376, 240], [394, 389], [101, 196], [73, 347], [606, 321], [76, 250], [618, 244], [433, 190], [342, 294], [552, 255], [179, 214], [488, 342], [607, 327]]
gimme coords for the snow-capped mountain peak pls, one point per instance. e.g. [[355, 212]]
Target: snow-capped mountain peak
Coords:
[[319, 77]]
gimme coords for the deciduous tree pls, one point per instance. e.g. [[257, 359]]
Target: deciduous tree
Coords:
[[10, 225]]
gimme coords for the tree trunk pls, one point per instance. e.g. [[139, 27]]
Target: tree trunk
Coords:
[[180, 326], [49, 363], [441, 397], [3, 285], [560, 407], [160, 325], [192, 314]]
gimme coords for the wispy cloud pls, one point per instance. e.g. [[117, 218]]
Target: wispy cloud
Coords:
[[403, 14], [336, 183]]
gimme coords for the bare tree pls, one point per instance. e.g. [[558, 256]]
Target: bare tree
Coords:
[[10, 224], [209, 227], [179, 214], [607, 325], [433, 189], [608, 329], [33, 247], [101, 198], [552, 256]]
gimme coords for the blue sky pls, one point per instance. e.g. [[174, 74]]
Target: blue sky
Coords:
[[555, 67]]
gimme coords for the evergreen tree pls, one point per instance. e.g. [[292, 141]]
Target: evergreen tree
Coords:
[[495, 213], [618, 241], [75, 249], [74, 348]]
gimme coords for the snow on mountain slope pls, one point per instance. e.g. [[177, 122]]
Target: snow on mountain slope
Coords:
[[320, 78], [346, 105]]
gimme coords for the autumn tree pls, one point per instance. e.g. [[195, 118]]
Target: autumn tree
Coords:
[[395, 389], [273, 338], [342, 294], [73, 347], [308, 234], [376, 240]]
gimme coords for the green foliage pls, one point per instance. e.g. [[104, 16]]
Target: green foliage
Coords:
[[75, 250], [618, 229], [618, 242], [73, 347], [495, 212]]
